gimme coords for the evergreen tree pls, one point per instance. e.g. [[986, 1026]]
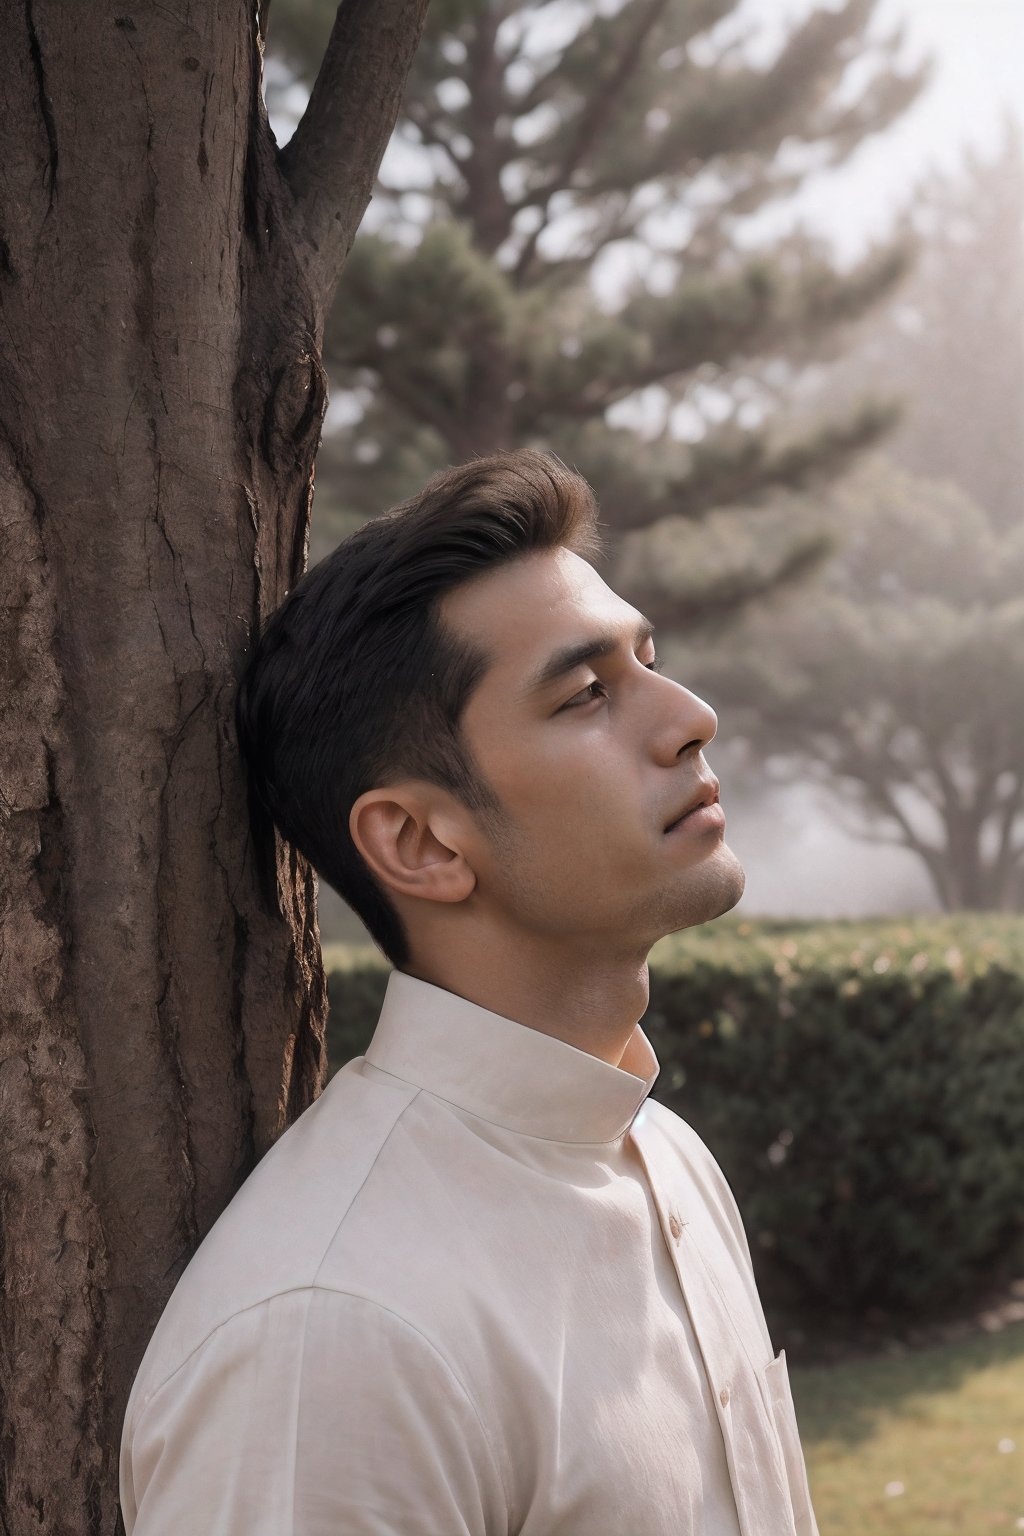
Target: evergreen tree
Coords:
[[560, 258], [894, 681]]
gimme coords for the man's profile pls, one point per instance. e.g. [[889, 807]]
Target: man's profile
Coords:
[[485, 1285]]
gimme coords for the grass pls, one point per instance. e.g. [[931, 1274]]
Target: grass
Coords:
[[929, 1423]]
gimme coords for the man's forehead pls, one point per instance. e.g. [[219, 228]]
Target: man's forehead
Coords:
[[518, 612]]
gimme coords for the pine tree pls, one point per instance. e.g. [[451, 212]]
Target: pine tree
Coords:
[[559, 256], [895, 679], [894, 683]]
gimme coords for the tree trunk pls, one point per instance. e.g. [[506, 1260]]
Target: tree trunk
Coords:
[[966, 878], [972, 883], [163, 286]]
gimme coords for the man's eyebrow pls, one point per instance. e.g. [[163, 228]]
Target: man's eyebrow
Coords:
[[569, 657]]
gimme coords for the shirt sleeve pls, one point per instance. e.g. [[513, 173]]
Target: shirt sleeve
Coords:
[[316, 1413]]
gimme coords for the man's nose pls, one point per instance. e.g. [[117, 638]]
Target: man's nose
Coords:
[[685, 725]]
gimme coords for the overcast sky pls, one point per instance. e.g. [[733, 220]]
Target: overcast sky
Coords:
[[979, 75]]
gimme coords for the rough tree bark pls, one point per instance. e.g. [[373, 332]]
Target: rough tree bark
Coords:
[[164, 275]]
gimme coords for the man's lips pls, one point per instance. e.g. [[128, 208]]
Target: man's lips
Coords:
[[707, 795]]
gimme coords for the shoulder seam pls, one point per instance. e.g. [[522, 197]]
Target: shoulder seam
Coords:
[[446, 1363], [316, 1288], [290, 1290], [376, 1158]]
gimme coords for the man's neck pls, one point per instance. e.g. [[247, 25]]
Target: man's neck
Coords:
[[592, 1002]]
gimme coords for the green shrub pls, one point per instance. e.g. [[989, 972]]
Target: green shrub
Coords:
[[861, 1087], [860, 1084]]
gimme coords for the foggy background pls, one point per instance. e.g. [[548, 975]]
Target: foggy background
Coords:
[[792, 835], [798, 860]]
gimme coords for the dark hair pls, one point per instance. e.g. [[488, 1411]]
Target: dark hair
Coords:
[[355, 681]]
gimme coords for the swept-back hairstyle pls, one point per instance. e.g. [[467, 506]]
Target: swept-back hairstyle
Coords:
[[355, 682]]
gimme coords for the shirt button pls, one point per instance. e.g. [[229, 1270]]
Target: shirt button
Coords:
[[723, 1397], [675, 1226]]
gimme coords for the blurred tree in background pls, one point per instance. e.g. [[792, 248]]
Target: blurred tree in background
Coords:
[[895, 678], [562, 258]]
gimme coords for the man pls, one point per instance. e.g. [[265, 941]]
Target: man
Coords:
[[485, 1284]]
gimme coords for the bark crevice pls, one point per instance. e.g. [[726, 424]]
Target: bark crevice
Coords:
[[44, 100]]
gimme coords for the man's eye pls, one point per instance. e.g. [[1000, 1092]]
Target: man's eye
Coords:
[[594, 690], [597, 690]]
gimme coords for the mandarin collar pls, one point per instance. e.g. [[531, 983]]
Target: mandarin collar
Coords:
[[507, 1073]]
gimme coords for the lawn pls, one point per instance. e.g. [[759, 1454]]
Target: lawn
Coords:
[[922, 1444]]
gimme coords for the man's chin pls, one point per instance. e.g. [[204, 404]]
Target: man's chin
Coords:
[[712, 889], [733, 885]]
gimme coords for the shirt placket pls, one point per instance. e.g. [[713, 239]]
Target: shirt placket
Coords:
[[753, 1453]]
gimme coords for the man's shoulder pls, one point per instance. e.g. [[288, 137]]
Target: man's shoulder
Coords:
[[671, 1127], [277, 1231]]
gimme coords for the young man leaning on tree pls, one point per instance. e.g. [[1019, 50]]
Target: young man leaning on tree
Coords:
[[485, 1284]]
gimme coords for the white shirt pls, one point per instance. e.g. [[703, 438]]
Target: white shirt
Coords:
[[483, 1287]]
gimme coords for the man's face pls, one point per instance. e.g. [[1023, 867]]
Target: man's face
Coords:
[[593, 756]]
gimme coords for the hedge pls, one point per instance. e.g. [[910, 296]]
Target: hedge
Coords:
[[861, 1084]]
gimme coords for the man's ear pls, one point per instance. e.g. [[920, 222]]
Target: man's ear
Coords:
[[408, 835]]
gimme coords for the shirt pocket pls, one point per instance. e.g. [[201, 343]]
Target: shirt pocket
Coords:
[[780, 1397]]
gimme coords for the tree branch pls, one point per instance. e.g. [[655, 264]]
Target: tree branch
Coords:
[[423, 405], [331, 160], [595, 118], [728, 469], [717, 600], [618, 223], [430, 126], [1010, 813], [935, 860]]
